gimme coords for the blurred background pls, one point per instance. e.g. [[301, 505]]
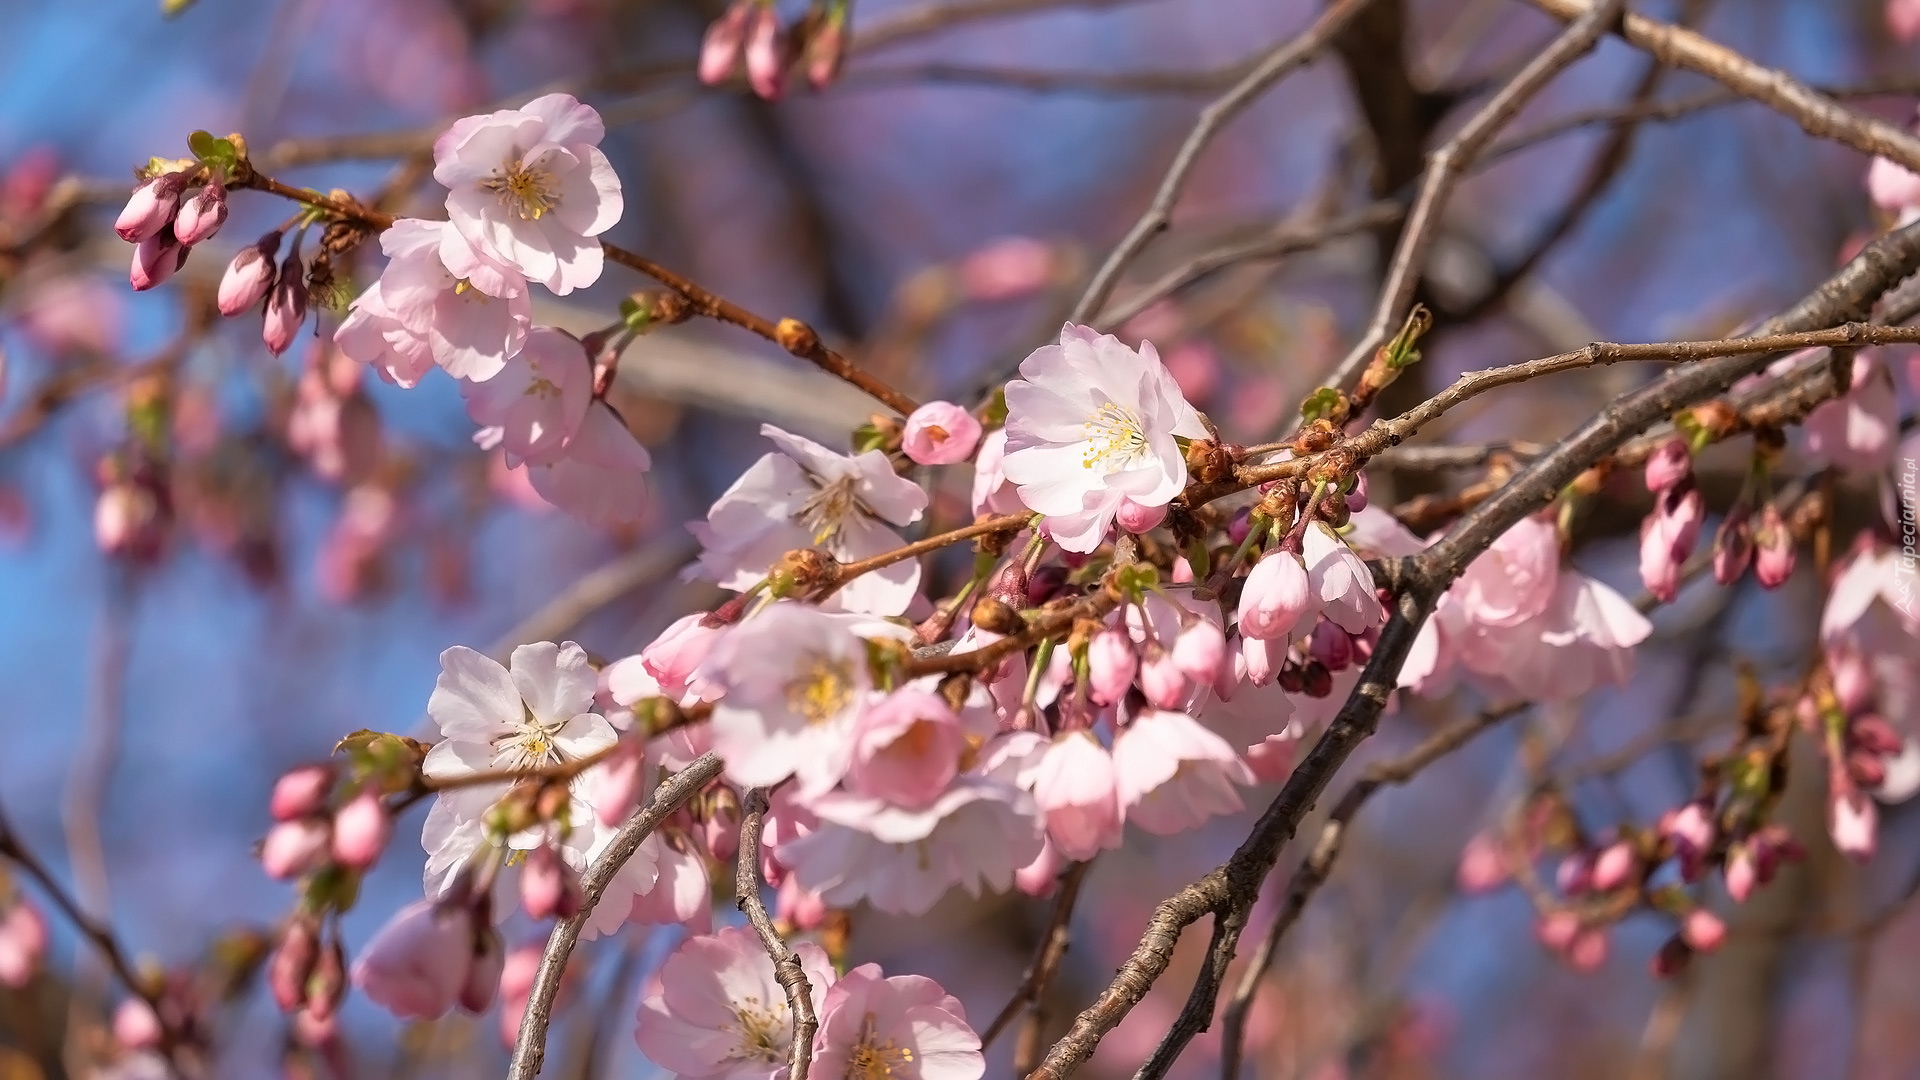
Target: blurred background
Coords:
[[935, 211]]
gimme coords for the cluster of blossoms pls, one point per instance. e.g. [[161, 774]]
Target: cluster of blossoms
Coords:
[[176, 206], [748, 34]]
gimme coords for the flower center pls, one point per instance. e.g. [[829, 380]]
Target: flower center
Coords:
[[822, 690], [529, 746], [763, 1032], [1115, 437], [527, 191], [826, 511], [873, 1059]]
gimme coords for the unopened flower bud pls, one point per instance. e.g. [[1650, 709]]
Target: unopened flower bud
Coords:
[[286, 307], [1483, 865], [766, 53], [1318, 681], [361, 830], [23, 942], [1669, 464], [1773, 557], [995, 617], [548, 886], [294, 847], [1574, 875], [292, 962], [1111, 665], [1703, 930], [201, 216], [1331, 646], [300, 792], [327, 984], [249, 275], [1733, 545], [1357, 497], [1854, 823], [722, 825], [720, 49], [1742, 873], [1163, 682], [1135, 518], [802, 909], [150, 208], [1614, 866], [136, 1026], [1871, 732], [1274, 597], [940, 433], [1852, 682], [1557, 930], [156, 259], [1587, 952], [1200, 650], [1671, 958]]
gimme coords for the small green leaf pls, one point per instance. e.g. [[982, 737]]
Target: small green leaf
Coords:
[[1136, 580], [1322, 402], [867, 437], [996, 415], [201, 143], [1400, 352]]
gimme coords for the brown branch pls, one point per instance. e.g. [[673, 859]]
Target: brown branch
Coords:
[[530, 1048], [1283, 59], [787, 968], [1817, 114], [922, 21], [794, 336], [841, 573], [1046, 960], [1444, 168]]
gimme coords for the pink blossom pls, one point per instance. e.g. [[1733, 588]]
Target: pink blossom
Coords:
[[666, 668], [201, 216], [978, 833], [530, 188], [295, 847], [1670, 464], [1134, 518], [793, 682], [1614, 866], [682, 894], [720, 47], [536, 402], [906, 748], [517, 971], [483, 974], [136, 1026], [300, 791], [549, 888], [766, 53], [23, 942], [361, 830], [807, 495], [1774, 552], [1340, 580], [1041, 876], [1854, 823], [420, 312], [1583, 637], [1173, 774], [248, 275], [1556, 930], [1074, 785], [157, 258], [719, 1013], [1743, 872], [150, 208], [1111, 664], [1513, 581], [940, 433], [991, 492], [1006, 268], [1162, 681], [337, 431], [1691, 831], [903, 1027], [1587, 952], [1091, 422], [1703, 930], [1483, 865], [601, 476], [419, 964], [1276, 595], [1667, 537], [1893, 187], [1200, 650], [1857, 432], [1868, 597], [71, 313]]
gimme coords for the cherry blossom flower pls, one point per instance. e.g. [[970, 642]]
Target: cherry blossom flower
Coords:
[[719, 1013], [601, 476], [1075, 786], [535, 403], [940, 433], [23, 942], [1857, 432], [1274, 597], [1667, 538], [979, 831], [1340, 581], [793, 681], [1513, 580], [421, 962], [906, 748], [807, 495], [534, 713], [1092, 422], [1173, 774], [991, 492], [903, 1027], [1903, 18], [668, 666], [419, 313], [530, 188]]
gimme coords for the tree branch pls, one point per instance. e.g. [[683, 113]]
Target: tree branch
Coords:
[[786, 963]]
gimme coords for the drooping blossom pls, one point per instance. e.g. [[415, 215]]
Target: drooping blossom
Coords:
[[423, 961], [201, 216], [536, 401], [1091, 422], [601, 475], [530, 188], [1667, 538], [1173, 774], [903, 1027], [419, 314], [1340, 581], [248, 277], [991, 492], [151, 207], [668, 666], [1276, 595], [1075, 786], [805, 495], [906, 748], [940, 433], [718, 1011]]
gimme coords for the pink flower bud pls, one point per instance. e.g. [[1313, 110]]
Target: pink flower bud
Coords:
[[720, 49], [1742, 873], [1163, 682], [1041, 876], [1483, 865], [286, 307], [1274, 597], [1574, 875], [249, 275], [1703, 930], [201, 216], [292, 961], [1357, 498], [1137, 519], [1587, 952], [361, 830], [300, 792], [1669, 465], [619, 790], [826, 50], [1671, 958], [1240, 526], [327, 984], [1557, 930], [799, 908], [721, 829], [1614, 866], [136, 1026], [1773, 559], [766, 53], [422, 961], [294, 847], [486, 961], [1111, 665], [1331, 646], [1872, 733], [1866, 769], [1006, 268], [1263, 659], [940, 433], [1667, 537], [1852, 682], [156, 259], [548, 886], [1200, 650], [1690, 829], [1733, 545], [1854, 823], [23, 943], [150, 208]]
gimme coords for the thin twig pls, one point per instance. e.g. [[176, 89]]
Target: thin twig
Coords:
[[1046, 960], [1283, 59], [1444, 168], [530, 1048], [787, 968]]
